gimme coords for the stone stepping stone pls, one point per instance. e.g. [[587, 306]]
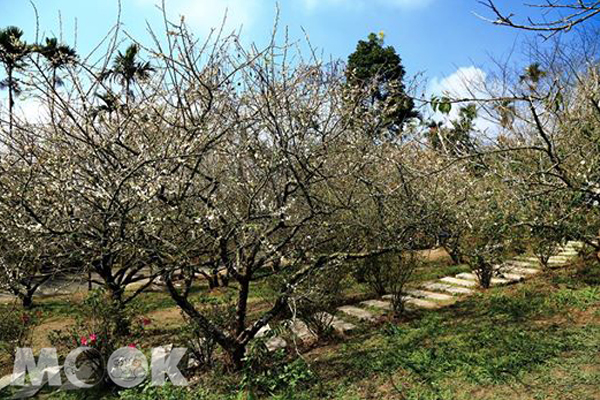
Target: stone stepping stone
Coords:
[[473, 277], [356, 312], [522, 270], [447, 288], [274, 343], [524, 263], [429, 295], [574, 252], [460, 282], [558, 259], [409, 300], [300, 330], [532, 259], [575, 243], [338, 324], [534, 262], [384, 305], [512, 277], [568, 255], [421, 303]]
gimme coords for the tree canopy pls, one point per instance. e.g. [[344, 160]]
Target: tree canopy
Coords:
[[379, 68]]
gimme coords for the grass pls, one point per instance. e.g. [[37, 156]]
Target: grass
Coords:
[[535, 340]]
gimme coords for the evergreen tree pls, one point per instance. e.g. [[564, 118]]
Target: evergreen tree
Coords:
[[379, 69]]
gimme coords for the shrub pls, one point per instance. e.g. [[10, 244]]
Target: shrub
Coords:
[[199, 343], [266, 373], [98, 326], [16, 330], [316, 299], [397, 275]]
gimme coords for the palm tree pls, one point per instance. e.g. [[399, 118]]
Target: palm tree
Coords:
[[13, 52], [127, 70], [58, 56]]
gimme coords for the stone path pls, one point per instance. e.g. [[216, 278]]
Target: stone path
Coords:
[[440, 293]]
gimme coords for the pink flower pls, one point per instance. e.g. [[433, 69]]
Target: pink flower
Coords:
[[132, 345], [84, 341], [93, 338], [146, 321]]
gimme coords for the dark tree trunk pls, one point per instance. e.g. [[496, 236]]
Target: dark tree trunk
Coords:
[[116, 297], [213, 281], [242, 305], [454, 254], [27, 300], [237, 357], [11, 101], [225, 279]]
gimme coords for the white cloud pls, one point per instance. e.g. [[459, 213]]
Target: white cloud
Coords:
[[465, 83], [205, 15], [26, 110]]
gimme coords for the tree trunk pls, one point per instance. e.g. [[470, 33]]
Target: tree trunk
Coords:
[[242, 305], [27, 300], [213, 280], [237, 357], [225, 279], [11, 101], [121, 322], [454, 254]]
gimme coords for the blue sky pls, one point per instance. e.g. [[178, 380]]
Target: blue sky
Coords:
[[435, 37], [432, 36]]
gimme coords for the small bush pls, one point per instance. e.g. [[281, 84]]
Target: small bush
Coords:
[[265, 373], [16, 330], [99, 326], [398, 274], [315, 301], [199, 343]]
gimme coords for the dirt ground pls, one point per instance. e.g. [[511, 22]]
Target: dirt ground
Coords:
[[434, 254]]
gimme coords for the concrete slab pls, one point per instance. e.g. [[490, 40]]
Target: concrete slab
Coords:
[[300, 330], [511, 277], [569, 253], [460, 282], [356, 312], [421, 303], [384, 305], [472, 277], [531, 259], [441, 287], [523, 263], [575, 244], [522, 270], [429, 295], [274, 343], [338, 324]]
